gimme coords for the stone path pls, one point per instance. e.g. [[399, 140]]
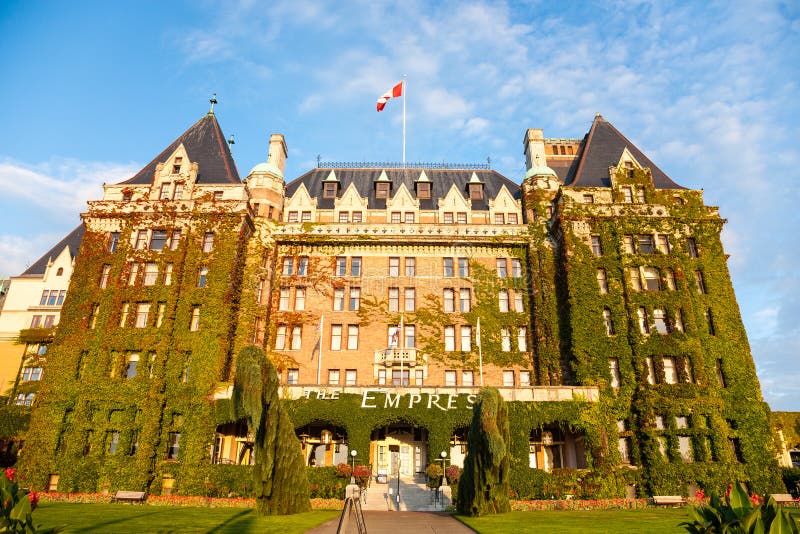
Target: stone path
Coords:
[[394, 522]]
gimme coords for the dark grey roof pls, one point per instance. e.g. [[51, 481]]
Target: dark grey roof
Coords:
[[205, 145], [441, 182], [73, 241], [602, 148]]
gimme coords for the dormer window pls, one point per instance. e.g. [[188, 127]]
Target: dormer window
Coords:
[[629, 169], [217, 195], [178, 194], [329, 190], [382, 189], [176, 166], [423, 190], [476, 191], [165, 191]]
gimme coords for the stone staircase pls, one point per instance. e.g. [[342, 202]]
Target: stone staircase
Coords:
[[414, 497]]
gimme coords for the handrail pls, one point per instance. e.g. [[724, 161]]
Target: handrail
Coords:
[[352, 505]]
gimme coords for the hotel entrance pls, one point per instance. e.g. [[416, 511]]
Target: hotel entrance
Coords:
[[399, 448]]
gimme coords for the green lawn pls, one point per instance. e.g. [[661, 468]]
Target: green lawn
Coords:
[[142, 519], [645, 520]]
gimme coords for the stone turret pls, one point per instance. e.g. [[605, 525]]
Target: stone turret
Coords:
[[266, 182]]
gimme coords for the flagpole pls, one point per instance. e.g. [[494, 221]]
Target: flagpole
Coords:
[[402, 336], [405, 97], [480, 352], [319, 361]]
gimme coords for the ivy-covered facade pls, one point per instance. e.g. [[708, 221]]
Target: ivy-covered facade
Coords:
[[594, 295]]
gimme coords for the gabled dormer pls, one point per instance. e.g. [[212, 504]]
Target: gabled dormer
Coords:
[[382, 186], [351, 207], [175, 177], [423, 187], [475, 187], [454, 208], [504, 208], [330, 186], [300, 207]]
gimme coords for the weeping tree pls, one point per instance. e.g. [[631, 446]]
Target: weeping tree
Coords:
[[280, 481], [484, 485]]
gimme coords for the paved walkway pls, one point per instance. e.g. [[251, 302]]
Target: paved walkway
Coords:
[[394, 522]]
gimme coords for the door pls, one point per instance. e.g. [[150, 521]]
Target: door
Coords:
[[406, 465]]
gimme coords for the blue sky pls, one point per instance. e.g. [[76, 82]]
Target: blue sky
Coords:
[[91, 91]]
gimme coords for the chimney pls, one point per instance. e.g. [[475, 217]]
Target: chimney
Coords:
[[534, 148], [277, 152]]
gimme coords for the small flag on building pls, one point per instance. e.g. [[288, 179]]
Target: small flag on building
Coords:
[[394, 92]]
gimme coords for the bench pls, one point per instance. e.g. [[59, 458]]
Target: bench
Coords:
[[783, 498], [129, 496], [668, 500]]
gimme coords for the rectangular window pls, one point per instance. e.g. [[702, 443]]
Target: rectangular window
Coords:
[[92, 317], [505, 336], [652, 279], [141, 240], [382, 377], [382, 190], [134, 274], [499, 218], [461, 217], [355, 298], [336, 337], [687, 370], [158, 240], [448, 217], [411, 339], [516, 268], [597, 248], [338, 299], [644, 325], [624, 447], [32, 374], [513, 218], [465, 299], [660, 321], [449, 300], [423, 190], [104, 276], [36, 321], [293, 376], [300, 299], [613, 368], [508, 378], [712, 331], [355, 266], [467, 378], [663, 243], [329, 190], [112, 439], [670, 276], [352, 337], [720, 373], [123, 317], [475, 191], [636, 280], [344, 216], [350, 377], [448, 267], [291, 217], [646, 245], [175, 240], [165, 191], [522, 339], [640, 196], [627, 194], [503, 300], [466, 338], [305, 216], [341, 266], [419, 377], [333, 377], [283, 302], [602, 282], [162, 308], [650, 369], [49, 320], [463, 267], [167, 274], [208, 241], [142, 314], [700, 282], [357, 217], [679, 326], [150, 274], [280, 337], [691, 246], [449, 338], [608, 322], [302, 266], [113, 241], [670, 373], [394, 299], [411, 266], [588, 199], [408, 217], [297, 337], [195, 324], [685, 447], [502, 271], [450, 378], [394, 267], [288, 266], [627, 244], [131, 363], [410, 299], [174, 445]]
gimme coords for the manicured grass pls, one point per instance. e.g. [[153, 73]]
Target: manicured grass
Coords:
[[147, 519], [607, 521]]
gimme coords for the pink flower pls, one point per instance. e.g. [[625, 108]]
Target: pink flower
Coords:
[[11, 474], [34, 498]]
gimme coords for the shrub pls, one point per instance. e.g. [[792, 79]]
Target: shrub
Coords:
[[17, 506], [791, 479], [434, 473]]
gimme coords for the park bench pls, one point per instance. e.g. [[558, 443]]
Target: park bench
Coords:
[[783, 498], [668, 500], [129, 496]]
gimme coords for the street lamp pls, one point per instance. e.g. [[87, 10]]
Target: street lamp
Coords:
[[353, 472], [443, 455]]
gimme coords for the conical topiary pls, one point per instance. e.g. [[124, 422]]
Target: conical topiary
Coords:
[[280, 481], [484, 485]]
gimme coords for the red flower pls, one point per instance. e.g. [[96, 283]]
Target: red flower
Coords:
[[728, 491], [34, 498], [755, 499], [700, 494], [11, 474]]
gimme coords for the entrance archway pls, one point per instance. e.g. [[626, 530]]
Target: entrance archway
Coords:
[[458, 446], [399, 448], [323, 444]]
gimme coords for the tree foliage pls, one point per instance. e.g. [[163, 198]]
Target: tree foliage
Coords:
[[279, 475]]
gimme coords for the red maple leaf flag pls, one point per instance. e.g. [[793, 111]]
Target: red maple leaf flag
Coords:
[[394, 92]]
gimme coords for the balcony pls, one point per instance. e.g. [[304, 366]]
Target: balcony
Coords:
[[404, 357]]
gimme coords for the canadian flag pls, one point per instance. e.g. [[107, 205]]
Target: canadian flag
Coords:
[[394, 92]]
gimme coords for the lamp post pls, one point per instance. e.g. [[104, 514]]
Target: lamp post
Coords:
[[353, 453], [443, 456]]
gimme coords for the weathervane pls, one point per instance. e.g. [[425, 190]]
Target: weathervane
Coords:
[[213, 101]]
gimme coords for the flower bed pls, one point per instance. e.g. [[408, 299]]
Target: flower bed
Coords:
[[179, 500], [577, 504]]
